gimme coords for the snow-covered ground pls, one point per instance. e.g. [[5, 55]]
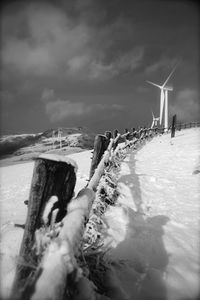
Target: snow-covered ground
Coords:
[[153, 230], [15, 181], [14, 189]]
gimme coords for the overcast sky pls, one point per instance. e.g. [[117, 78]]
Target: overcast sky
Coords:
[[86, 62]]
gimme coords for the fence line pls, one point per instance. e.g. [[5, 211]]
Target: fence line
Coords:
[[60, 256], [180, 126], [57, 243]]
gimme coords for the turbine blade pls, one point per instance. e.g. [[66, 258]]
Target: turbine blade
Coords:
[[154, 84], [162, 98], [152, 124], [153, 114], [169, 75]]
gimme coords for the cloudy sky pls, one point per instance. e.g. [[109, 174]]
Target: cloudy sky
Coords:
[[85, 62]]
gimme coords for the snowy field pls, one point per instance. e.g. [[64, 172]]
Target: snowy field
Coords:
[[155, 225], [153, 230]]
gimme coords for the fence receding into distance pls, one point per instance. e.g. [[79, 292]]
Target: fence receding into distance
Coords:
[[57, 221]]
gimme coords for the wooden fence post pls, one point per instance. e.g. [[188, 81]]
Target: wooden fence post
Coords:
[[100, 145], [173, 126], [58, 268], [53, 175], [115, 133], [108, 134]]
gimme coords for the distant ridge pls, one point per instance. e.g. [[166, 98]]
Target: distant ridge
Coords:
[[27, 146]]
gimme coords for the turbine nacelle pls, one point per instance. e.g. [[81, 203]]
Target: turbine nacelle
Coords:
[[168, 88]]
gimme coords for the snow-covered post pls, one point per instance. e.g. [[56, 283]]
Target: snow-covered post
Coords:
[[53, 175], [100, 168], [115, 133], [60, 137], [59, 260], [126, 132], [100, 145], [53, 138], [108, 134], [173, 126]]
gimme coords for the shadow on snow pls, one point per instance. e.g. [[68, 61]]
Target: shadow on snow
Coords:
[[139, 261]]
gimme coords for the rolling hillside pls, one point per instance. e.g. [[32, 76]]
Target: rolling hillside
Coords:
[[24, 147]]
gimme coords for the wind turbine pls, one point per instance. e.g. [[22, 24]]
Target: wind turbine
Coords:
[[164, 97], [155, 121]]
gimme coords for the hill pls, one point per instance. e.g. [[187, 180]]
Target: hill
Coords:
[[24, 147]]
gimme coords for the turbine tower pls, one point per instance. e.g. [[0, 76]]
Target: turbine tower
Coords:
[[155, 121], [164, 98]]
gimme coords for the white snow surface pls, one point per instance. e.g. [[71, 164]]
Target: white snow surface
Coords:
[[154, 227], [153, 230]]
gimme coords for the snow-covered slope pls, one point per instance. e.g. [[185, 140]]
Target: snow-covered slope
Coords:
[[153, 230]]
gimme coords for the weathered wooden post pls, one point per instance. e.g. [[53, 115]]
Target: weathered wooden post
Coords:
[[53, 175], [173, 126], [115, 133], [100, 145], [108, 134]]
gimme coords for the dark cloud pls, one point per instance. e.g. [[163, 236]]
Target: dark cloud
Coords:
[[55, 43], [186, 105], [58, 109], [93, 56]]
